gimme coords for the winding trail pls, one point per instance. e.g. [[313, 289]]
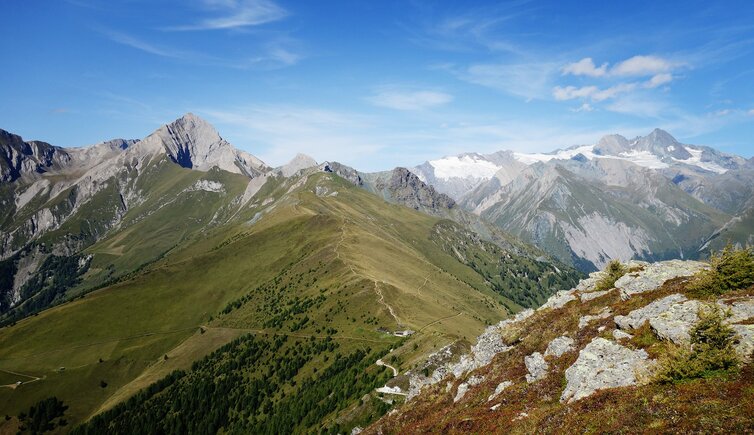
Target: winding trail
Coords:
[[377, 290], [438, 321]]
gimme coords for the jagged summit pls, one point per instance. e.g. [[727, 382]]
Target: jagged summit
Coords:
[[194, 143]]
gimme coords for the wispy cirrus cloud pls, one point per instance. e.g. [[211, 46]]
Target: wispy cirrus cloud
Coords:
[[232, 14], [269, 55], [409, 100]]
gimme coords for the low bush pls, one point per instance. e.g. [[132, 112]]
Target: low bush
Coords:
[[711, 351], [731, 269], [613, 272]]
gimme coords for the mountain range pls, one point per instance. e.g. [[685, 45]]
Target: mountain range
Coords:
[[147, 256], [143, 274], [649, 198]]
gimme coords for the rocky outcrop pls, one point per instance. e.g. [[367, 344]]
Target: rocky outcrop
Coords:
[[654, 275], [499, 389], [464, 387], [559, 346], [558, 300], [603, 364], [585, 320], [636, 318], [407, 189], [537, 367]]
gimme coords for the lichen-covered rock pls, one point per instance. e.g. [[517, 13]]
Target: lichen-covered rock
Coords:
[[585, 320], [499, 389], [559, 346], [676, 322], [537, 367], [559, 299], [637, 317], [588, 296], [654, 275], [603, 364], [464, 387], [739, 310], [620, 335], [745, 346]]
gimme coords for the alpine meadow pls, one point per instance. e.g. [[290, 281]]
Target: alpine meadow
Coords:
[[378, 218]]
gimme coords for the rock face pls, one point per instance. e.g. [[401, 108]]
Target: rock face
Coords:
[[559, 346], [654, 275], [407, 189], [745, 345], [636, 318], [193, 143], [603, 364], [343, 171], [676, 323], [585, 320], [537, 367], [558, 300]]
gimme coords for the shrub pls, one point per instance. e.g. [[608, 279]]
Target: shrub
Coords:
[[731, 269], [711, 351], [613, 272]]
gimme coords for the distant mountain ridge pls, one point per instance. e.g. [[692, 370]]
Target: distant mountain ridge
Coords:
[[650, 198]]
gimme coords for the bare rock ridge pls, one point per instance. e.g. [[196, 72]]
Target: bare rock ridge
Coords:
[[511, 358]]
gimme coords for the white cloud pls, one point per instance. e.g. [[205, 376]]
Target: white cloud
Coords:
[[635, 66], [585, 67], [751, 112], [572, 92], [642, 66], [658, 80], [235, 14], [271, 55], [410, 100], [639, 106], [586, 107], [591, 92], [528, 80]]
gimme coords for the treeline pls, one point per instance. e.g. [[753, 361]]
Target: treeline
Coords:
[[251, 385], [524, 280], [54, 277]]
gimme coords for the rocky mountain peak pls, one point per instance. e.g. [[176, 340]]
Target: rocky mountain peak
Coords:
[[301, 161], [194, 143], [406, 188]]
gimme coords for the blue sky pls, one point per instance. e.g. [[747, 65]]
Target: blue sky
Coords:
[[377, 84]]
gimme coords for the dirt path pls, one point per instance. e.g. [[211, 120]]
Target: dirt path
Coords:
[[384, 364], [438, 321], [14, 385], [380, 296]]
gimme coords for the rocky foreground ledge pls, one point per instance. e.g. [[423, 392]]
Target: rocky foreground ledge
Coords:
[[582, 346]]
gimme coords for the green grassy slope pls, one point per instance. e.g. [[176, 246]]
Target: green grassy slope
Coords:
[[349, 267]]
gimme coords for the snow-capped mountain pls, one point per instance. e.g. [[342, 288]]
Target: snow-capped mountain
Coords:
[[458, 175], [651, 197]]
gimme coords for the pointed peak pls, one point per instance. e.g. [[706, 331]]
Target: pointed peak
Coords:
[[298, 163], [661, 137]]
